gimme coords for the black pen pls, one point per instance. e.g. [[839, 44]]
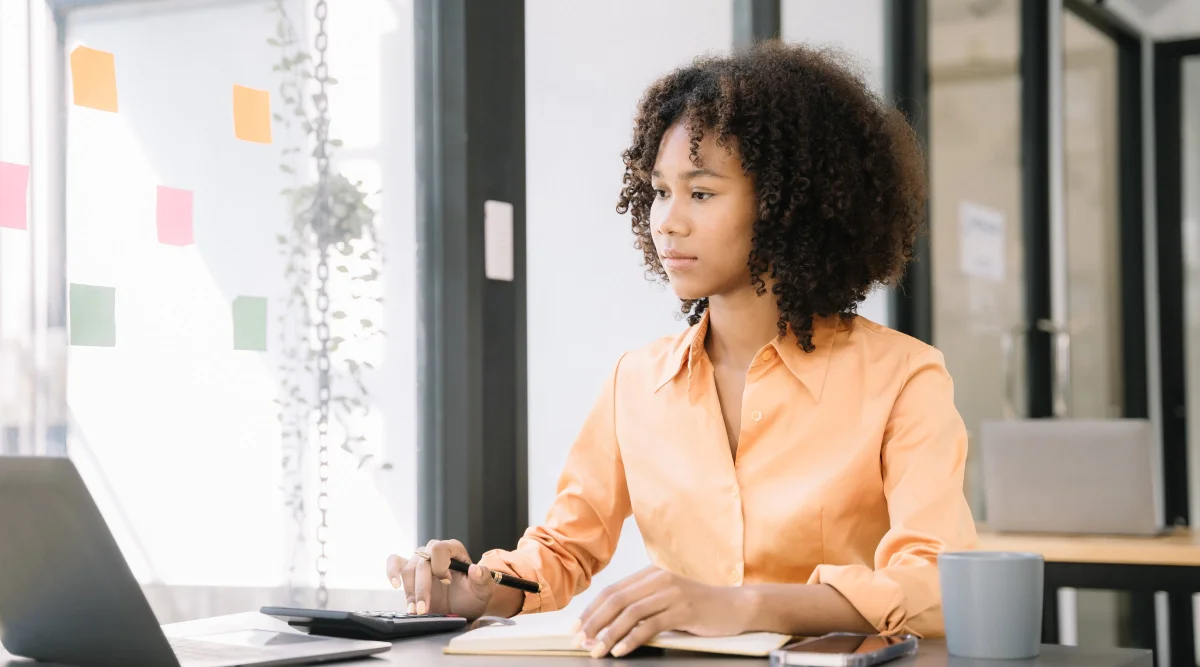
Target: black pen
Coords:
[[501, 578]]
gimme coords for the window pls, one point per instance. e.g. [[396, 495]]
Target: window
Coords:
[[180, 210], [31, 334]]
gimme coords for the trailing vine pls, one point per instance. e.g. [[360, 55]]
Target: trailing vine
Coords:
[[326, 313]]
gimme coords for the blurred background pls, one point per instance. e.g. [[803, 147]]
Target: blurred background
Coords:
[[269, 391]]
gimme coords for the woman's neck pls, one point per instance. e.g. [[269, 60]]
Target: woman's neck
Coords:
[[739, 326]]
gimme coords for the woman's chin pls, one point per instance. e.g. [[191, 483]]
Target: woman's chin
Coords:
[[688, 292]]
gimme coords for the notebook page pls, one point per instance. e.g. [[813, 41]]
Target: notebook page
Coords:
[[751, 644], [549, 631]]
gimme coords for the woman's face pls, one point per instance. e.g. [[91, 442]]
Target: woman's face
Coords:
[[703, 216]]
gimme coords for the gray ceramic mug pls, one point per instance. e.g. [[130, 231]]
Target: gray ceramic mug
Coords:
[[992, 603]]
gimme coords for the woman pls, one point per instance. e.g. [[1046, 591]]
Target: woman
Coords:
[[792, 467]]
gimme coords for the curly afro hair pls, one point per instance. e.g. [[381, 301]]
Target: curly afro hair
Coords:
[[839, 174]]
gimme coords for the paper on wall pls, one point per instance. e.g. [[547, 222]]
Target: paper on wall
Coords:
[[981, 241]]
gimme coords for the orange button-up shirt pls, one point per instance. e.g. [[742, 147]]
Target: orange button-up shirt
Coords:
[[848, 472]]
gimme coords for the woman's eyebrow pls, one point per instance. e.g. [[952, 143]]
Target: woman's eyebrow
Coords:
[[689, 175]]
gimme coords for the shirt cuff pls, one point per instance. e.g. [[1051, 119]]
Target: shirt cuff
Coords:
[[877, 597], [514, 564]]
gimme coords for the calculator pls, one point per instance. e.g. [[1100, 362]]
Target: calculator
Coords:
[[370, 625]]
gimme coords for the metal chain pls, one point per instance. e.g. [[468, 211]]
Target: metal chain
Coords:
[[321, 224]]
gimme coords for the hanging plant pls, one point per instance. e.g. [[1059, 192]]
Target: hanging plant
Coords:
[[333, 263]]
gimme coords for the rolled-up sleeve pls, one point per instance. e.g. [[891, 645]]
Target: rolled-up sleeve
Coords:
[[581, 530], [923, 457]]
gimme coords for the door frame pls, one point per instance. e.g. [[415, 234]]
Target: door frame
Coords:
[[1168, 197], [1131, 201]]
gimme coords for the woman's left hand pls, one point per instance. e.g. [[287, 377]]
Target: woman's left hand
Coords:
[[631, 612]]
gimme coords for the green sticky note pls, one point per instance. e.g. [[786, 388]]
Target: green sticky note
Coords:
[[93, 315], [250, 323]]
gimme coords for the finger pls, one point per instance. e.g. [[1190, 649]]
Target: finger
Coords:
[[613, 600], [644, 632], [422, 579], [480, 578], [408, 578], [585, 619], [395, 564], [440, 553], [638, 612]]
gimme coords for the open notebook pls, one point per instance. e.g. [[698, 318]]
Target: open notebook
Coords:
[[550, 634]]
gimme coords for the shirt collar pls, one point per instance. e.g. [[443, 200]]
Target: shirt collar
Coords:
[[687, 351], [808, 367]]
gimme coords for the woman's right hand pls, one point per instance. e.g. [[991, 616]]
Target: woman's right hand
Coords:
[[433, 588]]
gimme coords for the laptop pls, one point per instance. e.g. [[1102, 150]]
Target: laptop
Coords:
[[68, 596], [1076, 476]]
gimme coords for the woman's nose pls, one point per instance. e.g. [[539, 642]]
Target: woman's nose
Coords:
[[672, 222]]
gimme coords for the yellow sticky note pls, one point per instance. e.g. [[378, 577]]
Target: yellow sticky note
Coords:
[[252, 114], [94, 79]]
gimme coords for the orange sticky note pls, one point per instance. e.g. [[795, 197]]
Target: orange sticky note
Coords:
[[94, 79], [252, 114]]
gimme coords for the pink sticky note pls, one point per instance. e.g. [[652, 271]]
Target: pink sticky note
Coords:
[[174, 216], [14, 182]]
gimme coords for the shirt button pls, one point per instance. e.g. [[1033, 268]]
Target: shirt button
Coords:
[[768, 355], [756, 415], [736, 493]]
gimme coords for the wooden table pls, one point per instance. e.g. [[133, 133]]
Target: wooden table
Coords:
[[1140, 565]]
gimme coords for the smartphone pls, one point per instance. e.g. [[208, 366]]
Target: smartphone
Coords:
[[844, 649]]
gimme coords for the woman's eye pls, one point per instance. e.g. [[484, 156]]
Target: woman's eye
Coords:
[[702, 196], [660, 194]]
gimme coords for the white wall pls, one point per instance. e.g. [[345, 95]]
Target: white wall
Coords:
[[175, 431], [582, 87], [855, 26]]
